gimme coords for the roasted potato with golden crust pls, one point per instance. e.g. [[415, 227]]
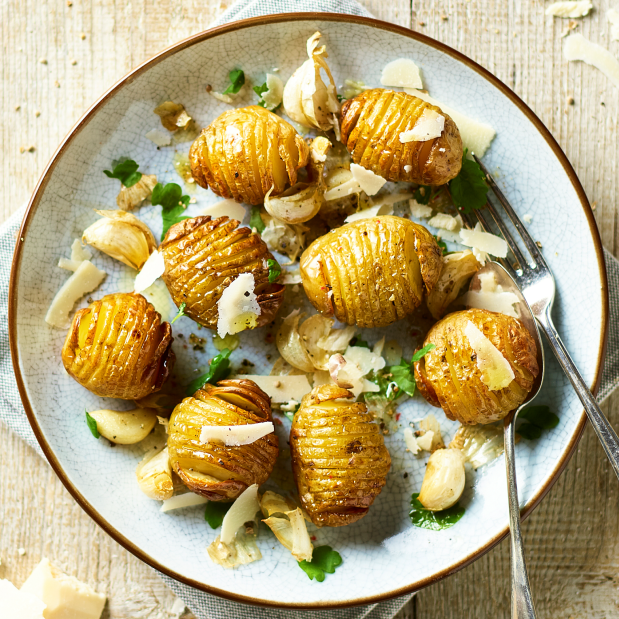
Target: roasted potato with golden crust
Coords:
[[371, 124], [119, 348], [339, 460], [218, 472], [371, 272], [246, 152], [203, 256], [449, 376]]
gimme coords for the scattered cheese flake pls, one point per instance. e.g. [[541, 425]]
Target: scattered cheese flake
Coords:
[[79, 253], [64, 595], [483, 242], [408, 168], [401, 73], [229, 208], [238, 306], [492, 297], [69, 265], [527, 218], [18, 604], [221, 97], [613, 17], [420, 211], [496, 372], [281, 388], [429, 125], [291, 277], [375, 211], [365, 359], [410, 441], [188, 499], [476, 136], [21, 552], [159, 138], [275, 93], [84, 280], [578, 48], [425, 440], [570, 8], [368, 181], [152, 270], [243, 510], [233, 436], [446, 222], [341, 191]]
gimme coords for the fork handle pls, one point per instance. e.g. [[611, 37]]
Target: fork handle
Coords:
[[608, 437]]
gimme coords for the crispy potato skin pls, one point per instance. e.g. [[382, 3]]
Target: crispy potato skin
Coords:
[[339, 460], [371, 124], [203, 256], [448, 375], [119, 348], [245, 152], [213, 470], [371, 272]]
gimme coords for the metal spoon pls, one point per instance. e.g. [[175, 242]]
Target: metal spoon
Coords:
[[522, 602]]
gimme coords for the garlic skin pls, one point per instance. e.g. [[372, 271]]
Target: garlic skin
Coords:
[[443, 481], [130, 197], [154, 476], [173, 116], [307, 99], [121, 236]]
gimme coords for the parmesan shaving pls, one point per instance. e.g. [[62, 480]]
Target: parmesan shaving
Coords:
[[18, 604], [341, 191], [159, 138], [152, 270], [226, 208], [410, 441], [425, 440], [492, 297], [281, 388], [79, 253], [446, 222], [570, 8], [368, 181], [429, 125], [421, 211], [275, 93], [233, 436], [578, 48], [85, 279], [483, 242], [496, 371], [189, 499], [69, 265], [238, 306], [613, 17], [366, 213], [401, 72], [243, 510]]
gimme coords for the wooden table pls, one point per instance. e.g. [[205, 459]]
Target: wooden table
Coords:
[[59, 56]]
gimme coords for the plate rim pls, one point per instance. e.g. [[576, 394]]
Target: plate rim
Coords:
[[145, 66]]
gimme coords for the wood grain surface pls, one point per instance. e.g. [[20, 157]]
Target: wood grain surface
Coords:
[[58, 56]]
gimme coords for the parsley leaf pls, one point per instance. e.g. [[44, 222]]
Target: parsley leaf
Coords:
[[469, 189], [255, 220], [422, 194], [403, 374], [274, 269], [237, 79], [181, 312], [536, 419], [173, 204], [435, 521], [92, 425], [126, 171], [260, 90], [441, 244], [324, 560], [218, 370], [357, 341], [215, 512], [422, 352]]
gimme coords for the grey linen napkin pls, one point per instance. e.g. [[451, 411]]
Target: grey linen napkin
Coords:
[[203, 605]]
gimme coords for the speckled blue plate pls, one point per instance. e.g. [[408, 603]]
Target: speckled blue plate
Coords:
[[384, 555]]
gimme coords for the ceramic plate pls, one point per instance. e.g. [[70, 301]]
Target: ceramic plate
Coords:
[[384, 555]]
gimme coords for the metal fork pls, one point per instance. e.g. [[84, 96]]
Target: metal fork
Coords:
[[534, 278]]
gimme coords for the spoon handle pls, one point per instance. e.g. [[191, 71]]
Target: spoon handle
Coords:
[[608, 437], [522, 602]]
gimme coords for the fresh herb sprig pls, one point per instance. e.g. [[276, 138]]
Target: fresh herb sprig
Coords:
[[173, 204], [536, 419], [237, 80], [274, 270], [357, 341], [324, 561], [260, 90], [435, 521], [126, 171], [92, 425], [215, 512], [219, 369], [403, 375], [181, 312], [255, 220], [469, 190]]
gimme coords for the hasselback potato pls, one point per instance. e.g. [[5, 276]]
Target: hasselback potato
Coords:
[[371, 272], [339, 459], [203, 256], [119, 348], [371, 124], [449, 376], [218, 472], [246, 152]]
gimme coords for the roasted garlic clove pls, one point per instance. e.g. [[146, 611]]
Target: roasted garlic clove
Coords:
[[203, 256], [154, 476], [247, 152], [372, 124], [130, 197], [339, 459], [125, 427], [371, 272], [443, 481], [449, 375], [119, 348], [121, 236], [213, 470]]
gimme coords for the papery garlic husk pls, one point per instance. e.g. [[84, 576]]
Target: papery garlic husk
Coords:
[[443, 481], [307, 99], [130, 197], [121, 236], [289, 344], [173, 115], [154, 476], [287, 239], [303, 200]]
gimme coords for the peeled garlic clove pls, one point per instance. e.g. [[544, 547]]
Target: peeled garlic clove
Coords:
[[121, 236], [443, 482], [130, 197], [125, 428], [307, 99], [154, 476]]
